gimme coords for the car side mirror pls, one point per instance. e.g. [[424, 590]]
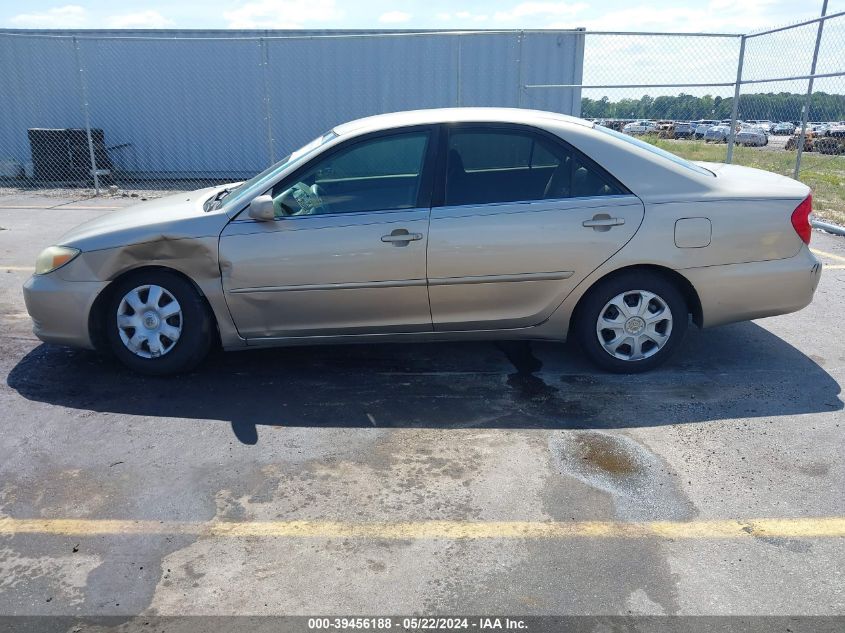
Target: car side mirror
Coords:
[[261, 209]]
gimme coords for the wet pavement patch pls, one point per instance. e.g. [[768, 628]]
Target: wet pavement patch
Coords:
[[640, 484], [605, 454]]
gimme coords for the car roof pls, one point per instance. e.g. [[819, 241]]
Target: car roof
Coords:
[[455, 115]]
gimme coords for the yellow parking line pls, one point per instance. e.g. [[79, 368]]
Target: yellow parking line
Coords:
[[830, 255], [815, 527]]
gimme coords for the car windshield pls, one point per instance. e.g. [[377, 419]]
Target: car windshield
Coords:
[[656, 150], [261, 181]]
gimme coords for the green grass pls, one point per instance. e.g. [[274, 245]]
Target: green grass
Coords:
[[824, 174]]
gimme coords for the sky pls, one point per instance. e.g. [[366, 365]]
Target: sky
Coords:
[[732, 16], [608, 59]]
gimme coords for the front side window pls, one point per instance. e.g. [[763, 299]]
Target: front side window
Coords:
[[382, 173], [259, 182], [495, 166]]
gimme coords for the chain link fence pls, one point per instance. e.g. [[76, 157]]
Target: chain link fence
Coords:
[[117, 113], [159, 113], [794, 76], [773, 99]]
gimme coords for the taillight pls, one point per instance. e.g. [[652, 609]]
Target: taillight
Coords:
[[801, 219]]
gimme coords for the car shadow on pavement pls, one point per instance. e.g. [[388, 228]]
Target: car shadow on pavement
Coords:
[[737, 371]]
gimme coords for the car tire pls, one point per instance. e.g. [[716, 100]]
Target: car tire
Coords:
[[157, 323], [651, 337]]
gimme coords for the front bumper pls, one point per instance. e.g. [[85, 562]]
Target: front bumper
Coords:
[[60, 309], [740, 292]]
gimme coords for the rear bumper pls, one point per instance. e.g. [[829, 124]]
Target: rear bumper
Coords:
[[740, 292], [60, 309]]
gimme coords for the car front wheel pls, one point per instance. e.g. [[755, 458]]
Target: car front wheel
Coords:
[[632, 322], [157, 323]]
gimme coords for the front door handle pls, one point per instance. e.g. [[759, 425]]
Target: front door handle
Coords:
[[401, 237], [603, 222]]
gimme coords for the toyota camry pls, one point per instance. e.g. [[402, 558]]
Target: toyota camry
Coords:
[[437, 225]]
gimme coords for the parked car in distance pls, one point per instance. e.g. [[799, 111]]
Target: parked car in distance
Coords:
[[437, 225], [665, 127], [640, 127], [684, 129], [718, 133], [703, 126], [783, 129], [836, 129], [763, 124], [752, 136]]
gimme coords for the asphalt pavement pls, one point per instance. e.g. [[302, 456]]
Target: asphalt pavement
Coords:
[[479, 478]]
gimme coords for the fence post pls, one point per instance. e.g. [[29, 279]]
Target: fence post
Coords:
[[83, 96], [458, 77], [268, 111], [805, 114], [521, 86], [578, 77], [735, 107]]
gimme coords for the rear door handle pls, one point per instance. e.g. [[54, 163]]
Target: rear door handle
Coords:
[[401, 237], [603, 222]]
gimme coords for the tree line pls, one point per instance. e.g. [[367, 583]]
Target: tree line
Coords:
[[782, 106]]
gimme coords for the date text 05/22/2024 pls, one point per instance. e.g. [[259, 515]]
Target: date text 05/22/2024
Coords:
[[417, 623]]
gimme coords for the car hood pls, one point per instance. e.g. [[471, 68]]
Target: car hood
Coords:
[[177, 216]]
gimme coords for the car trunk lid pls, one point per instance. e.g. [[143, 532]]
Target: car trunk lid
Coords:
[[755, 183]]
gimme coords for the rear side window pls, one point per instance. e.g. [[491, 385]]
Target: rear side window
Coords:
[[488, 166]]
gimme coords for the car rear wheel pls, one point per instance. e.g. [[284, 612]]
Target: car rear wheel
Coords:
[[632, 322], [157, 323]]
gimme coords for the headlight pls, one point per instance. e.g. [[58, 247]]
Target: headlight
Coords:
[[54, 257]]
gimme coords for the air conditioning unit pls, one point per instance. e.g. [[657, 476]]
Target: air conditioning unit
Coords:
[[62, 154]]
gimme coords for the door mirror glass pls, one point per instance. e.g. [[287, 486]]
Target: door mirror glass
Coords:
[[261, 209]]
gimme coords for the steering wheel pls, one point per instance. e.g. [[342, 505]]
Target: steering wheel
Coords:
[[300, 195], [308, 199]]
